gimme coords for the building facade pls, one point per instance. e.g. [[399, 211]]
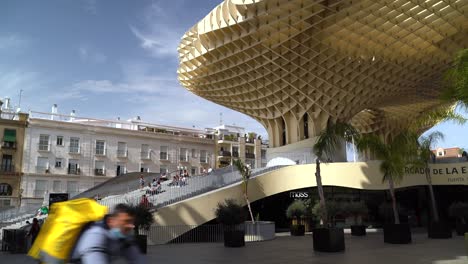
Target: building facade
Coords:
[[295, 65], [67, 154], [233, 143], [12, 130]]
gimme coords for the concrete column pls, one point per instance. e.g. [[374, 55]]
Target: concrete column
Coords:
[[292, 128], [258, 153]]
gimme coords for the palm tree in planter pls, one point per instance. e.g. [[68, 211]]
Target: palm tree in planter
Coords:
[[394, 154], [245, 173], [143, 221], [231, 215], [357, 210], [459, 211], [328, 238], [296, 210], [437, 228]]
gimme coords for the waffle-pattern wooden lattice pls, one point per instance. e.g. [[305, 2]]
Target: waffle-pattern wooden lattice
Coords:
[[376, 63]]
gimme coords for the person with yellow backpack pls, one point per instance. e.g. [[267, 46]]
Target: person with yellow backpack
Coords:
[[81, 231]]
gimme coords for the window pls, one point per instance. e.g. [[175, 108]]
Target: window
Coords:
[[183, 154], [42, 164], [263, 153], [122, 149], [72, 188], [74, 145], [163, 153], [121, 169], [194, 153], [58, 163], [440, 153], [9, 138], [44, 142], [57, 186], [235, 151], [100, 147], [5, 202], [163, 170], [145, 152], [203, 156], [59, 140], [5, 189], [41, 187], [193, 171], [144, 168], [99, 168], [73, 167], [7, 163]]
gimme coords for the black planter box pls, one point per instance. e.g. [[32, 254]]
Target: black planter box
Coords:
[[297, 230], [142, 243], [358, 230], [439, 230], [461, 228], [234, 238], [328, 239], [397, 233]]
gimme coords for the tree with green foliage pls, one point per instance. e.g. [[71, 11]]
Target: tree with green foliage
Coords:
[[395, 154], [245, 172], [456, 80], [328, 142]]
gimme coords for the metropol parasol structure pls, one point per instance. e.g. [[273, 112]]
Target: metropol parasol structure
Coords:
[[292, 65]]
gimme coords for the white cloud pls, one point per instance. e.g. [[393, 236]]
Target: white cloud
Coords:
[[158, 42], [88, 54]]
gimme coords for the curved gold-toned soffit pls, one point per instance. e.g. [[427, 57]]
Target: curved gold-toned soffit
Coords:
[[376, 63]]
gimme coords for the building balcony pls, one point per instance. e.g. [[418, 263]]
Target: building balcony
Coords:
[[235, 154], [249, 156], [224, 153], [74, 150], [121, 153], [7, 169], [250, 140], [41, 169], [74, 171], [99, 172], [145, 155], [203, 160], [9, 145], [43, 147]]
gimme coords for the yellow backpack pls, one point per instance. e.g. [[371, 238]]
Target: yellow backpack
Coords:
[[62, 228]]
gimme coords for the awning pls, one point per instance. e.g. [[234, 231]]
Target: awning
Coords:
[[9, 135]]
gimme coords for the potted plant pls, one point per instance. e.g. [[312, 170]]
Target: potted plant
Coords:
[[143, 221], [395, 152], [232, 216], [295, 211], [459, 211], [328, 238], [357, 210]]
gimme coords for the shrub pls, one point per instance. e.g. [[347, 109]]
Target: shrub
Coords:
[[230, 212], [334, 208], [357, 210], [459, 210], [296, 209]]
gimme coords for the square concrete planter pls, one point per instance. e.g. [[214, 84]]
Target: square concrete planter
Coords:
[[234, 238], [397, 233], [328, 239], [439, 230], [461, 228], [358, 230], [297, 230]]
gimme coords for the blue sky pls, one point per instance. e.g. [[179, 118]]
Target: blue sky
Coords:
[[112, 58]]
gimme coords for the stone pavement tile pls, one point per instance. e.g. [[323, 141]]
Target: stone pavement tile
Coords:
[[359, 250]]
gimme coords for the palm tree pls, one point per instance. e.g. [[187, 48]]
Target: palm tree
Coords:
[[457, 79], [245, 173], [394, 154], [329, 140], [424, 156]]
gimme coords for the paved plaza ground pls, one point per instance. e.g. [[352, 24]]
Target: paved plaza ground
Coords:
[[286, 249]]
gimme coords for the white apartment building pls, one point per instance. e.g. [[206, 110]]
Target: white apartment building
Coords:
[[233, 143], [68, 154]]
